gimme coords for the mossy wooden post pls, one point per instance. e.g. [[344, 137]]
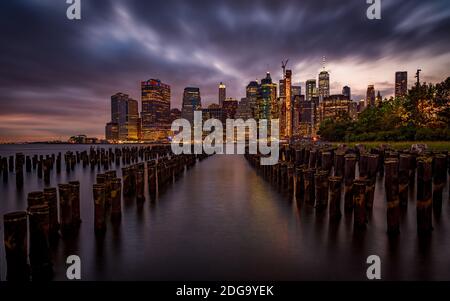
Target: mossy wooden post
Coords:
[[403, 179], [392, 195], [359, 201], [308, 183], [372, 166], [335, 184], [349, 176], [321, 187], [16, 246], [116, 198], [75, 203], [65, 209], [439, 178], [424, 195], [51, 199], [99, 209], [40, 259]]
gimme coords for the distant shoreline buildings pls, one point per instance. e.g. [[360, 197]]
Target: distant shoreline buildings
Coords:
[[299, 114]]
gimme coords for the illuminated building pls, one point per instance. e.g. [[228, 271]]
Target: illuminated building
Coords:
[[378, 99], [112, 131], [191, 102], [370, 96], [124, 113], [324, 84], [401, 83], [212, 111], [222, 93], [252, 93], [174, 114], [333, 107], [229, 108], [286, 99], [244, 110], [266, 98], [155, 97], [310, 89], [347, 92]]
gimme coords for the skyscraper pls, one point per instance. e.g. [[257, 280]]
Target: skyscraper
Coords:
[[401, 83], [347, 92], [324, 84], [222, 93], [230, 106], [155, 114], [266, 98], [288, 101], [310, 89], [370, 96], [191, 102], [124, 118], [296, 90], [252, 92]]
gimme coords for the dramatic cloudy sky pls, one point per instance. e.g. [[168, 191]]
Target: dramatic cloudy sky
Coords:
[[56, 75]]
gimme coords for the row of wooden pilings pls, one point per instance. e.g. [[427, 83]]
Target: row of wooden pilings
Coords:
[[95, 158], [322, 174], [47, 217]]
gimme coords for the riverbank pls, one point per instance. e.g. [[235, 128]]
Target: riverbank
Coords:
[[432, 145]]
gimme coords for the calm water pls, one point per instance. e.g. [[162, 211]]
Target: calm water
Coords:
[[222, 221]]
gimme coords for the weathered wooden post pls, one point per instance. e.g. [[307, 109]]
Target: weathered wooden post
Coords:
[[326, 162], [372, 167], [439, 178], [35, 198], [40, 260], [283, 176], [392, 195], [299, 188], [335, 184], [403, 179], [290, 179], [75, 202], [5, 170], [11, 163], [140, 185], [16, 246], [116, 198], [151, 170], [65, 209], [28, 164], [321, 187], [39, 169], [359, 201], [424, 195], [308, 184], [349, 176], [312, 158], [51, 199], [19, 171], [363, 165], [46, 170], [99, 209]]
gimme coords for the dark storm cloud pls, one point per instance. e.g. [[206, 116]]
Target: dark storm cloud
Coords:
[[52, 66]]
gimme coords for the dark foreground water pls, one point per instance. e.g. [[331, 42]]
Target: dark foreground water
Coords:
[[222, 221]]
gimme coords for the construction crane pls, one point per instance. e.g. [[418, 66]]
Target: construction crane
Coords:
[[283, 66]]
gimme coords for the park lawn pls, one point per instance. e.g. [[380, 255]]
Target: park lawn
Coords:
[[432, 145]]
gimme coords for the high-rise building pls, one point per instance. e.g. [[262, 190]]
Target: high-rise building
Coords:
[[401, 83], [212, 111], [251, 93], [112, 131], [124, 116], [191, 102], [222, 93], [244, 111], [324, 84], [155, 97], [266, 98], [310, 89], [296, 90], [288, 101], [334, 106], [347, 92], [370, 96], [174, 114], [378, 99], [229, 108]]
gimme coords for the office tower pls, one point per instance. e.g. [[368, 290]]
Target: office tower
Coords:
[[296, 91], [124, 114], [288, 100], [212, 111], [305, 115], [310, 89], [333, 106], [244, 110], [222, 93], [112, 131], [324, 84], [155, 97], [191, 103], [266, 98], [401, 83], [347, 92], [251, 93], [229, 108], [370, 96], [378, 99]]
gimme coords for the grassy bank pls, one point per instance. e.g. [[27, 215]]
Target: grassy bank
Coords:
[[432, 145]]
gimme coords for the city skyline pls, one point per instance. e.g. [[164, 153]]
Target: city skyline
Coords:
[[73, 68]]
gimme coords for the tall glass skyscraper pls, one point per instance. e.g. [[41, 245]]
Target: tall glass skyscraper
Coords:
[[191, 102], [324, 84], [155, 114]]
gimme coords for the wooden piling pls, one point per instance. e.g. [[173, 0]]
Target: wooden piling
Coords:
[[321, 187], [424, 195], [392, 195], [403, 179], [349, 176], [308, 184], [99, 209], [359, 202], [51, 199], [439, 180], [40, 260], [65, 209], [335, 184], [75, 203], [16, 246], [116, 198]]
